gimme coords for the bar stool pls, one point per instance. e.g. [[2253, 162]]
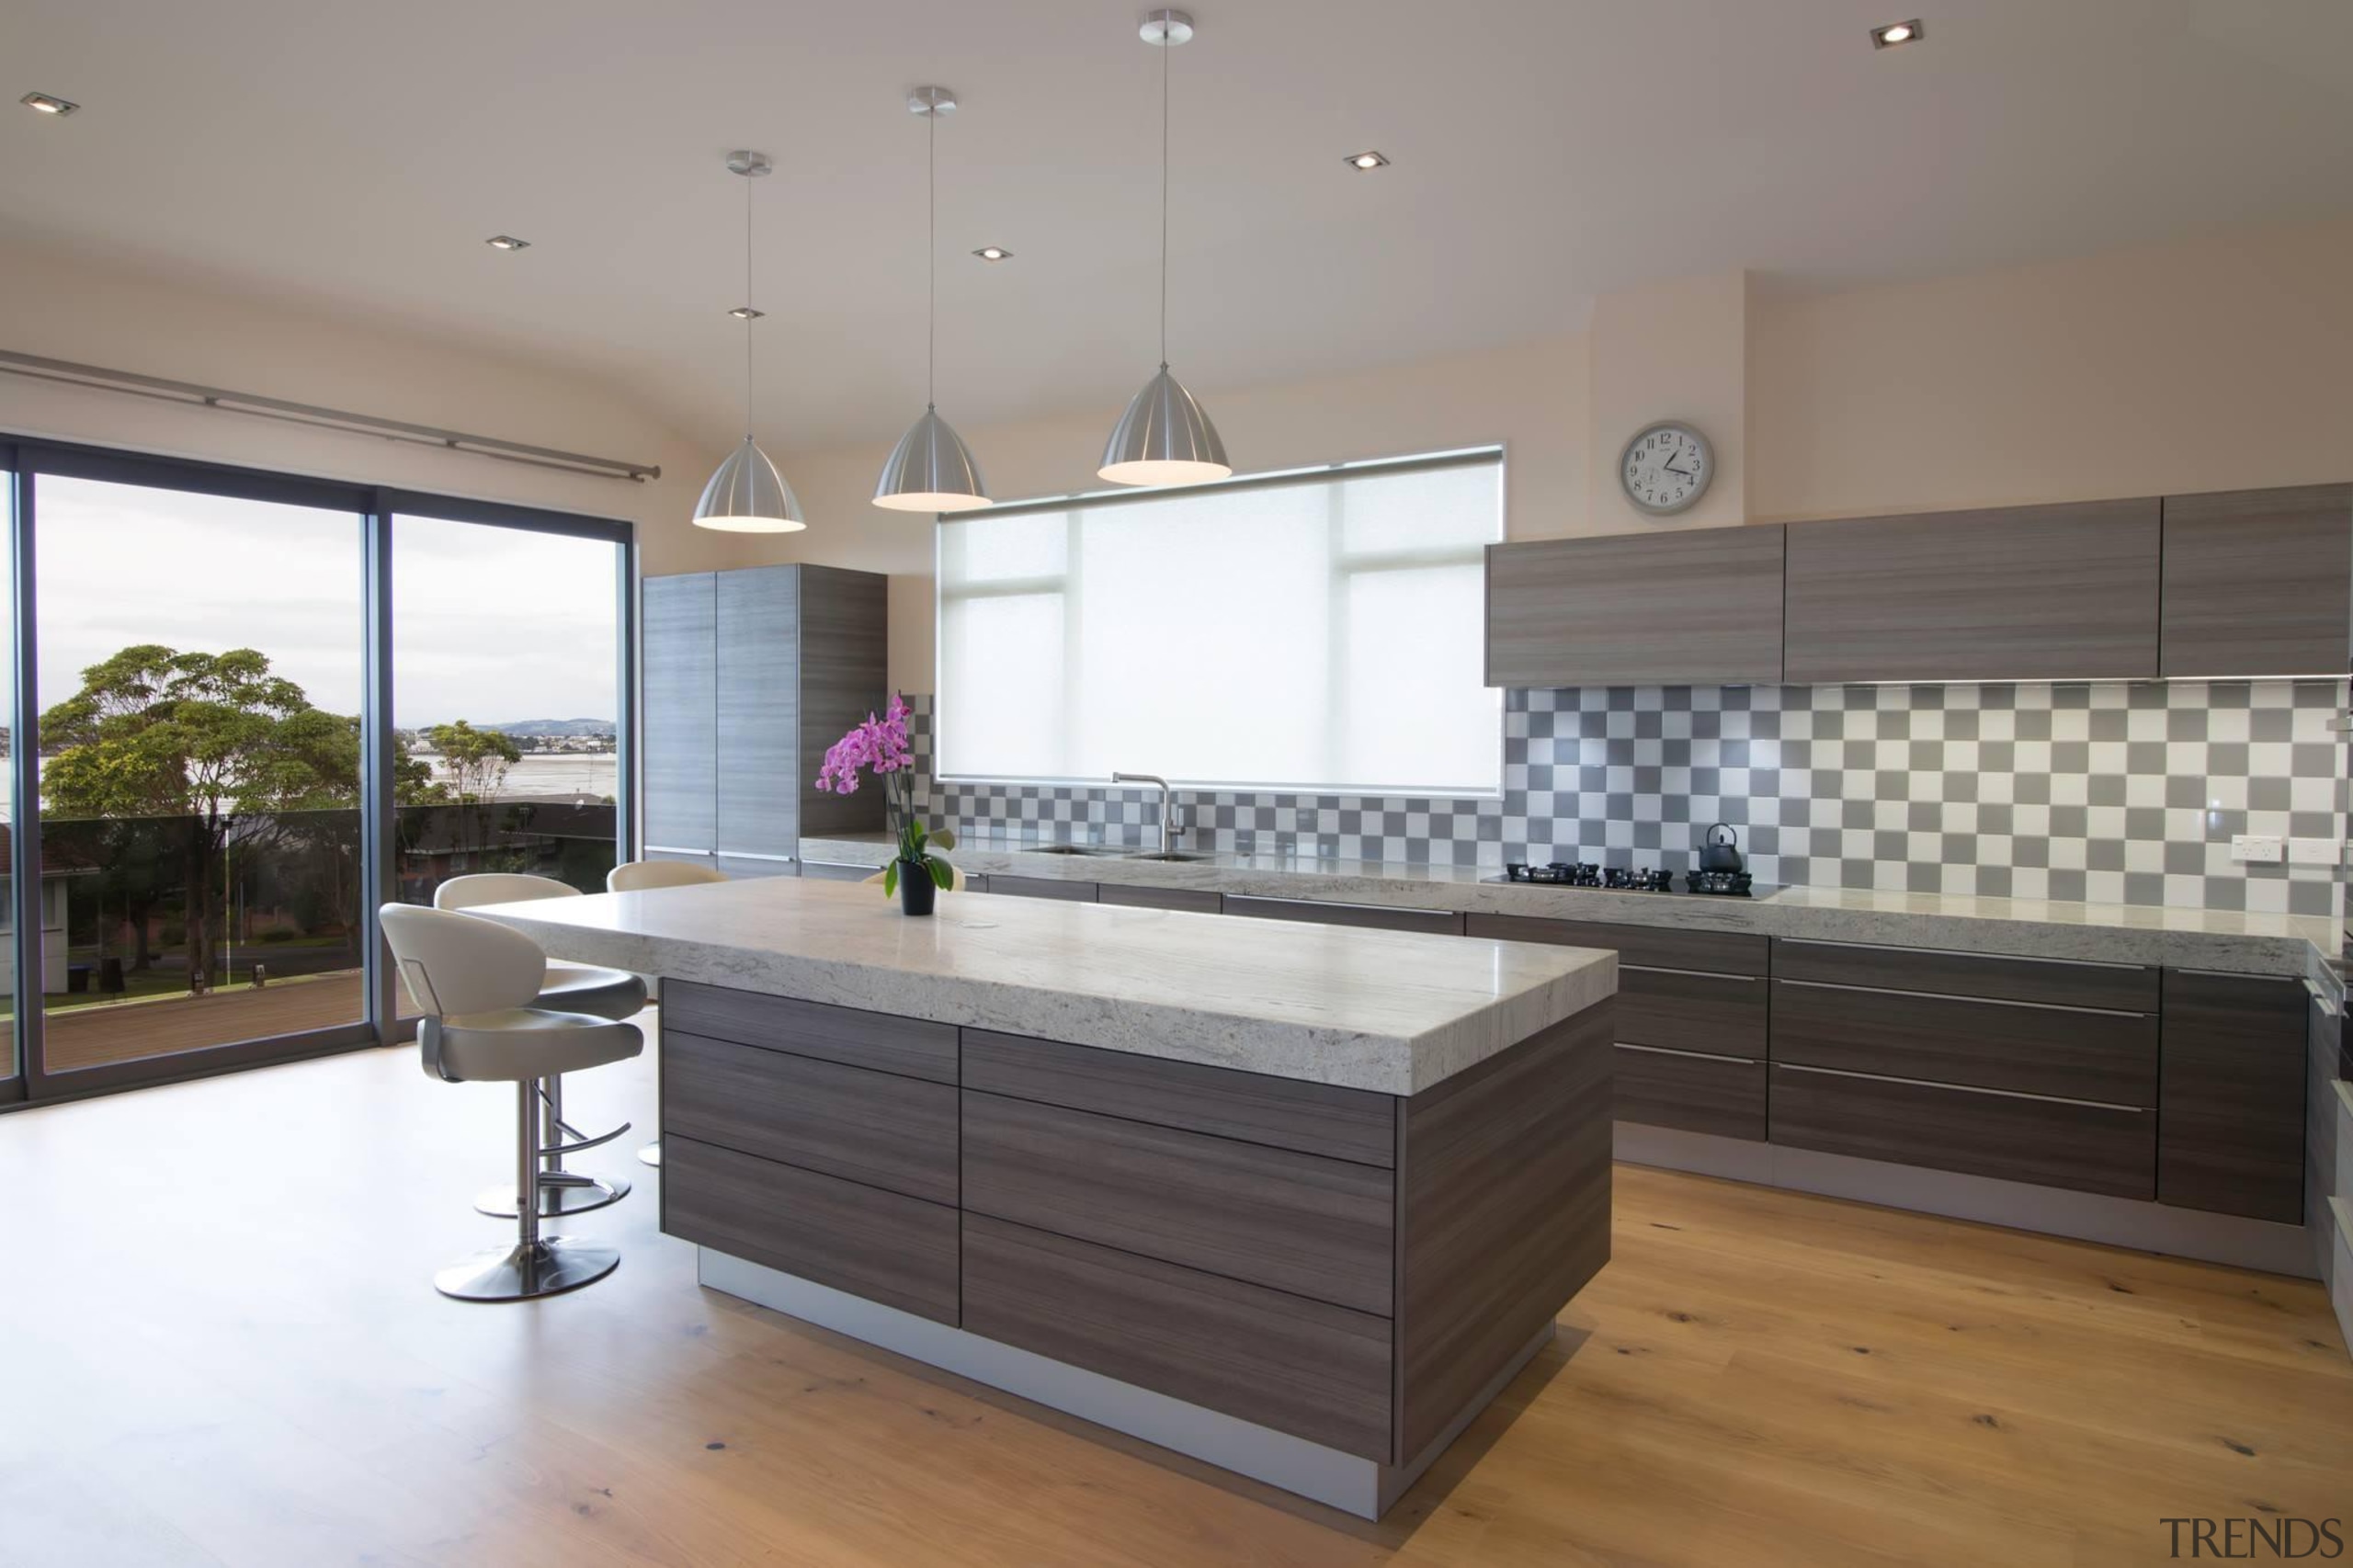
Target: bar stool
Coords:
[[475, 982], [637, 876], [571, 988]]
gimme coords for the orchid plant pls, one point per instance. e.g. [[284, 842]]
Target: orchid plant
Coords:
[[880, 746]]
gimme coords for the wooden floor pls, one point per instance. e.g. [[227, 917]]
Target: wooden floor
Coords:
[[98, 1033], [218, 1346]]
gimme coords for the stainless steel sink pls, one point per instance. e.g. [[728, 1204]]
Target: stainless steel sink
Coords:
[[1063, 849], [1165, 855]]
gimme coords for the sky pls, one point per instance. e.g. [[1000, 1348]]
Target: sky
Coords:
[[489, 624]]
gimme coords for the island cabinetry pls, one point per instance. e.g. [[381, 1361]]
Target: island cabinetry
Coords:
[[1692, 1010], [2023, 1069], [2231, 1116]]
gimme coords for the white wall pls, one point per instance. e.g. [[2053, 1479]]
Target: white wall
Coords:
[[72, 307]]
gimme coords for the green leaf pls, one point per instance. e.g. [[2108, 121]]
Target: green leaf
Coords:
[[943, 875], [891, 880], [944, 837]]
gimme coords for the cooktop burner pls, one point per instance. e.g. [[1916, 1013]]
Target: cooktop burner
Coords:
[[1627, 878]]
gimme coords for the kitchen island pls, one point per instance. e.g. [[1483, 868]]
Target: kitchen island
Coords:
[[1297, 1200]]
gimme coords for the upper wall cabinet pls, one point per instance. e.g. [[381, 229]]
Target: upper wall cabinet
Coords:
[[2021, 593], [2258, 582], [1700, 607]]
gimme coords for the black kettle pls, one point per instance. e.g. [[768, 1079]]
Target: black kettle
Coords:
[[1719, 854]]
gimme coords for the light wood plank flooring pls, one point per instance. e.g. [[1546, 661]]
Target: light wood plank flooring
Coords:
[[217, 1346]]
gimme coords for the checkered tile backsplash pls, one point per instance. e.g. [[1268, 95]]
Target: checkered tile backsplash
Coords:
[[2115, 792]]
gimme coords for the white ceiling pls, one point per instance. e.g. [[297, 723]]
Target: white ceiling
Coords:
[[1546, 150]]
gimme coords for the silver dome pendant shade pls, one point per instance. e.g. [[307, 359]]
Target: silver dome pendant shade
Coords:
[[931, 469], [746, 495], [1166, 437]]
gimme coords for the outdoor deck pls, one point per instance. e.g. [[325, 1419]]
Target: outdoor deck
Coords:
[[106, 1032]]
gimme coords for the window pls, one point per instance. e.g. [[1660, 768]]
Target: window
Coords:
[[1315, 632]]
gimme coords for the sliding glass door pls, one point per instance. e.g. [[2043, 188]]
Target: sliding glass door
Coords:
[[208, 651]]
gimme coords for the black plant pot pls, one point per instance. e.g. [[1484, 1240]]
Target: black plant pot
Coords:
[[915, 888]]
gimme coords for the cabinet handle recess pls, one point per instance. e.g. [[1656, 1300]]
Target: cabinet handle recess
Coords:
[[1695, 973], [1696, 1055], [1957, 1088], [1949, 997], [1958, 953]]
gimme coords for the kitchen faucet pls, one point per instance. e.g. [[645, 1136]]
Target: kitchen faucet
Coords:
[[1172, 821]]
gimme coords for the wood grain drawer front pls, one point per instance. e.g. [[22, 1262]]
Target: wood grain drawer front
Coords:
[[2021, 593], [2049, 1143], [2069, 1052], [1615, 610], [1652, 947], [882, 1245], [2124, 988], [1283, 1113], [1192, 900], [1297, 1222], [876, 1128], [1374, 917], [1307, 1367], [1042, 887], [2230, 1113], [2258, 582], [1723, 1015], [1699, 1094], [916, 1047]]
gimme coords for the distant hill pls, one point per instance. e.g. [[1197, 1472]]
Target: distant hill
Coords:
[[541, 729]]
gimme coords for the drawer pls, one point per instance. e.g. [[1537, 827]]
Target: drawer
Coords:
[[1312, 1118], [1041, 887], [1374, 917], [882, 1245], [1192, 901], [833, 871], [1723, 1015], [1698, 1094], [2070, 1052], [1297, 1222], [2126, 988], [875, 1128], [916, 1047], [2050, 1142], [2231, 1111], [1314, 1370], [1651, 946]]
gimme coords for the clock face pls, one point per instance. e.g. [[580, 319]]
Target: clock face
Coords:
[[1667, 468]]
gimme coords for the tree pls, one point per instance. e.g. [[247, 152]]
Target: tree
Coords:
[[477, 759], [211, 741]]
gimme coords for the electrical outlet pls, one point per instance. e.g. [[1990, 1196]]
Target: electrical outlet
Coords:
[[2256, 849], [2315, 851]]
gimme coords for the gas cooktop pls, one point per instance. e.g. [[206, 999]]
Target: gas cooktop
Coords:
[[1627, 878]]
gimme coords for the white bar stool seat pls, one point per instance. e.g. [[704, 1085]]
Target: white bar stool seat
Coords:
[[474, 982]]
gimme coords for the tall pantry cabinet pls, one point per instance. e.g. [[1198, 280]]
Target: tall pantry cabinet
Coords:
[[749, 676]]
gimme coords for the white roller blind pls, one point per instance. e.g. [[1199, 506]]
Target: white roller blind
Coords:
[[1319, 635]]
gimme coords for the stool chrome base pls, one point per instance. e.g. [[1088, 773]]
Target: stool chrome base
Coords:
[[561, 1193], [547, 1267], [651, 1154]]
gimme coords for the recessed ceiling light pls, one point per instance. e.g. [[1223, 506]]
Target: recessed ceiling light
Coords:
[[1894, 33], [1364, 163], [48, 103], [993, 253], [506, 242], [746, 313]]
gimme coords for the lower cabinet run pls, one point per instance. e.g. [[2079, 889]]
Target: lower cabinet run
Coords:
[[1351, 1269]]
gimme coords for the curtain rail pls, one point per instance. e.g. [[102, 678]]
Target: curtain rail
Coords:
[[191, 394]]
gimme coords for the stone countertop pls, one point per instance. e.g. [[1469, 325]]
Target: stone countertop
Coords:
[[2297, 945], [1392, 1012]]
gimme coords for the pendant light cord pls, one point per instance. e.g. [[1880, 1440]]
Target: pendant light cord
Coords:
[[747, 306], [931, 297], [1168, 47]]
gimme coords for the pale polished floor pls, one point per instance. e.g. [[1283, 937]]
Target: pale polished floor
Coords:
[[217, 1346]]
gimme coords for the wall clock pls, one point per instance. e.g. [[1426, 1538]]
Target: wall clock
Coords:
[[1667, 468]]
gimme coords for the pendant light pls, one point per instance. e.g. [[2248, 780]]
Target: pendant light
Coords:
[[1164, 438], [746, 495], [931, 470]]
